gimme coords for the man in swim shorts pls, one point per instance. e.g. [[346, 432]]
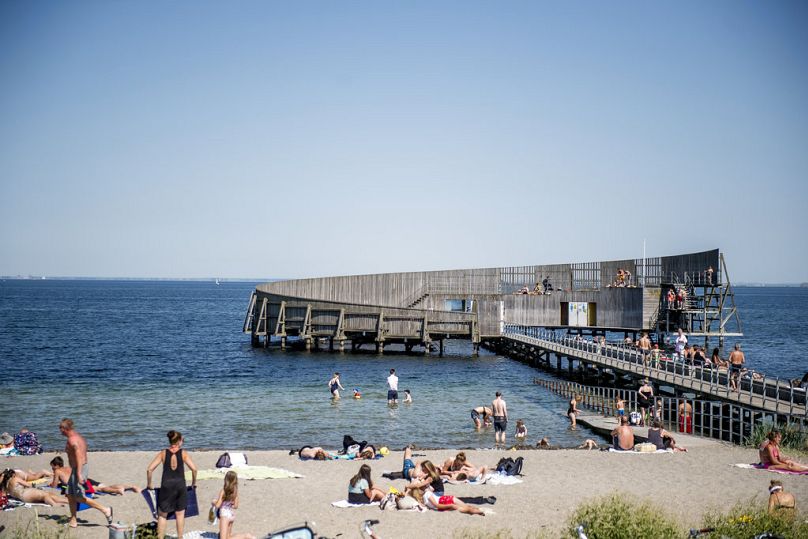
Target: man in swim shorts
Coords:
[[483, 411], [76, 449], [500, 410]]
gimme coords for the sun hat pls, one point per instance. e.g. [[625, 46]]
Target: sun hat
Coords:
[[6, 439]]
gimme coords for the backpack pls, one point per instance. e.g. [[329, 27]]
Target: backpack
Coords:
[[509, 466]]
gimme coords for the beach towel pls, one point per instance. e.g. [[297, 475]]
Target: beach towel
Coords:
[[344, 504], [658, 451], [758, 466], [191, 510], [244, 472], [15, 504]]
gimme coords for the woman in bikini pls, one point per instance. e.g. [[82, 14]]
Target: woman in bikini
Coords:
[[440, 502], [25, 492], [770, 456], [780, 501]]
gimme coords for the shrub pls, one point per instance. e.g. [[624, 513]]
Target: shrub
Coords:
[[794, 437], [749, 520], [619, 516]]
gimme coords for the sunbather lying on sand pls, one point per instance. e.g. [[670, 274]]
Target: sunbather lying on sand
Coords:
[[61, 476], [440, 502]]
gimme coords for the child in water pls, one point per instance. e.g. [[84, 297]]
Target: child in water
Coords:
[[407, 396], [357, 394], [227, 503], [521, 431]]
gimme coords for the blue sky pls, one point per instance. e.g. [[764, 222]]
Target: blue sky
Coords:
[[193, 139]]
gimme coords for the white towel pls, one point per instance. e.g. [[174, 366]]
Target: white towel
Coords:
[[342, 504], [497, 479]]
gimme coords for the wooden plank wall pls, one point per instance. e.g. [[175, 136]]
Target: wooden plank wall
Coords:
[[690, 263], [616, 307]]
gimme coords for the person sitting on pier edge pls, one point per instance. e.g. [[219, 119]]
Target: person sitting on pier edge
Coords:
[[770, 456], [537, 290], [716, 360], [623, 436], [487, 414], [698, 357], [545, 283]]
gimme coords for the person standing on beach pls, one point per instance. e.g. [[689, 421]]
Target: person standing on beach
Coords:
[[76, 449], [392, 387], [736, 361], [173, 495], [335, 386], [500, 410]]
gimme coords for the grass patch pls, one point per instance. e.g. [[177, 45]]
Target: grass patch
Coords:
[[748, 520], [619, 516]]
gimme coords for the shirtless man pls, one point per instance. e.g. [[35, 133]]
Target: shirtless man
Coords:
[[500, 410], [623, 436], [736, 361], [644, 344], [76, 448], [61, 476], [486, 414]]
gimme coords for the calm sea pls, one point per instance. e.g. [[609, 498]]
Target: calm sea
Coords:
[[130, 360]]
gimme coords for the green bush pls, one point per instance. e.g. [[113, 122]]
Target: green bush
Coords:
[[794, 437], [745, 521], [619, 516]]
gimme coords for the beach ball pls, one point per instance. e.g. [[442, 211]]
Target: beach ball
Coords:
[[384, 451]]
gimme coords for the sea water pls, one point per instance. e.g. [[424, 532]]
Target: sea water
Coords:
[[130, 360]]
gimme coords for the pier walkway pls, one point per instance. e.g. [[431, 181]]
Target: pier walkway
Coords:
[[756, 391]]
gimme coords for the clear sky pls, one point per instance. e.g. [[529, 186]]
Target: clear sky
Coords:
[[292, 139]]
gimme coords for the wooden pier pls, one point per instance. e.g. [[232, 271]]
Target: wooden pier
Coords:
[[513, 308]]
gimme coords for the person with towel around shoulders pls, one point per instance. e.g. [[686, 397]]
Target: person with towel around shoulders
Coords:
[[173, 495]]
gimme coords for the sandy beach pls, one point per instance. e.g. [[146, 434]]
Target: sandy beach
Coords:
[[554, 481]]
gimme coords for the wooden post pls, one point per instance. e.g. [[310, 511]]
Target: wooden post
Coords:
[[441, 347]]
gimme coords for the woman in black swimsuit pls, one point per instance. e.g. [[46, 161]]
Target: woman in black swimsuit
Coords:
[[644, 396], [172, 497], [572, 411]]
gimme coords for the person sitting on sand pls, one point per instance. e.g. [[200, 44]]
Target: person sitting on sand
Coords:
[[486, 413], [781, 502], [429, 477], [440, 502], [24, 491], [361, 489], [7, 445], [770, 456], [623, 436], [61, 476], [461, 469], [661, 438]]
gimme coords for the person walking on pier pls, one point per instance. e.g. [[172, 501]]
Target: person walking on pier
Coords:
[[644, 398], [681, 342], [500, 410], [736, 361], [76, 449], [334, 386], [392, 387]]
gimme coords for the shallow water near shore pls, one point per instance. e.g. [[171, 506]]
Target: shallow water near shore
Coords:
[[130, 360]]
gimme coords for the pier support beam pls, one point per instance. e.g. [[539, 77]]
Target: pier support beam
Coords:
[[441, 348]]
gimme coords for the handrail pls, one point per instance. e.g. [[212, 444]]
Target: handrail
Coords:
[[676, 371], [700, 417]]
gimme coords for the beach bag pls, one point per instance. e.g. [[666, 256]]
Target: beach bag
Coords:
[[119, 530], [406, 503], [26, 443], [238, 459], [224, 461], [3, 500], [645, 448]]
